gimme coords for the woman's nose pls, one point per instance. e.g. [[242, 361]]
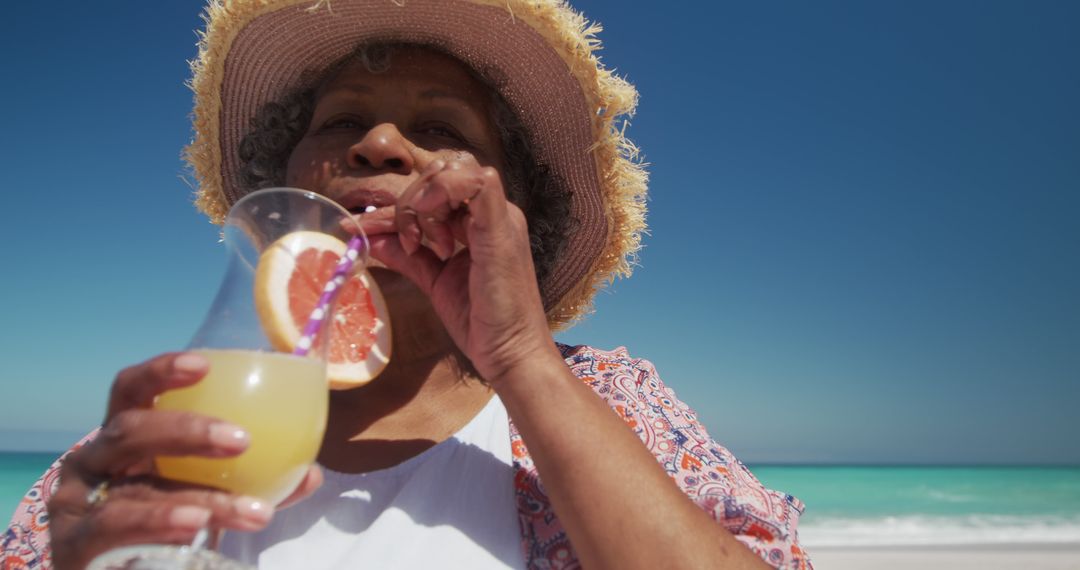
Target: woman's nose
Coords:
[[382, 148]]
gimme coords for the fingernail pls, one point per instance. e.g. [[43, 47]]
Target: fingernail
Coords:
[[190, 364], [252, 509], [189, 517], [228, 436]]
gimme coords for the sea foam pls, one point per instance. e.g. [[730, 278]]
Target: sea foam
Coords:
[[922, 530]]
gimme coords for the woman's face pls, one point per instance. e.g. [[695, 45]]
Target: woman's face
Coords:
[[372, 134]]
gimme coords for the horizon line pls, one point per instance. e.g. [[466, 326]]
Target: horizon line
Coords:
[[792, 464]]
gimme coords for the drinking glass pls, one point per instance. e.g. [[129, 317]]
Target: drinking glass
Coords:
[[280, 399]]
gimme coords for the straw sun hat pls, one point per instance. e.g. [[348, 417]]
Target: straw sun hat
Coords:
[[539, 55]]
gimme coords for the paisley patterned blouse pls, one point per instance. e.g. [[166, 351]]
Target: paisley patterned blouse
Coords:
[[764, 520]]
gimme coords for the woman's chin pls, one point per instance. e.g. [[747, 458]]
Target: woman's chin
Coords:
[[408, 305], [391, 283]]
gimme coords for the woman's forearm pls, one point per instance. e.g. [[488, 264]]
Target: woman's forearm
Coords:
[[619, 508]]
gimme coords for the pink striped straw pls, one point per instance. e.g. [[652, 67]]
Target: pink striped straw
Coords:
[[330, 291]]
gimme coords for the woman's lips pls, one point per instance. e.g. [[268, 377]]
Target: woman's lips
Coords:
[[364, 200]]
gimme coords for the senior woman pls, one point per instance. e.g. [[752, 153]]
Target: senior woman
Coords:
[[484, 135]]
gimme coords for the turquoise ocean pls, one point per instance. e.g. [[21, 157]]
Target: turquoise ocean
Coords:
[[856, 506], [19, 470], [917, 506]]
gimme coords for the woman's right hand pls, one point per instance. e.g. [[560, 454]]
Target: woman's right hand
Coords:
[[141, 508]]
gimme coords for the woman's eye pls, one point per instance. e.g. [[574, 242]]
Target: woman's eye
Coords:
[[343, 123], [442, 131]]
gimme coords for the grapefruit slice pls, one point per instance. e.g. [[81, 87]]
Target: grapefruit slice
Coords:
[[288, 283]]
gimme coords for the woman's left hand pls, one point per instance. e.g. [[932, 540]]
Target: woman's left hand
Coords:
[[485, 293], [487, 297]]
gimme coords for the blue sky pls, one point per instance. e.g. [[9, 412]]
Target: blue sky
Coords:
[[863, 247]]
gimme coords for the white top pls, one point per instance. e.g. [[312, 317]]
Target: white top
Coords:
[[452, 506]]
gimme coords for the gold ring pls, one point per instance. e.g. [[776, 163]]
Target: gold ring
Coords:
[[97, 496]]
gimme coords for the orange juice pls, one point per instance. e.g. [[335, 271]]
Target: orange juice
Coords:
[[280, 399]]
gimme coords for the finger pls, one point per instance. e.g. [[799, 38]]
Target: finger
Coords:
[[351, 223], [141, 512], [227, 510], [408, 229], [380, 221], [486, 199], [135, 436], [137, 386], [78, 539], [311, 483], [173, 519], [433, 213], [476, 190], [137, 521], [463, 182], [447, 199], [405, 218]]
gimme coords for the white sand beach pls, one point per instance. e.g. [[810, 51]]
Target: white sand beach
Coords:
[[981, 557]]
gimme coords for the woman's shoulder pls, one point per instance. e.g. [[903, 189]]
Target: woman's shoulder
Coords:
[[587, 360], [633, 389], [706, 471], [584, 353], [616, 375]]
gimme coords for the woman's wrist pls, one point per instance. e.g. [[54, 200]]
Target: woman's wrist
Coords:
[[536, 362]]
